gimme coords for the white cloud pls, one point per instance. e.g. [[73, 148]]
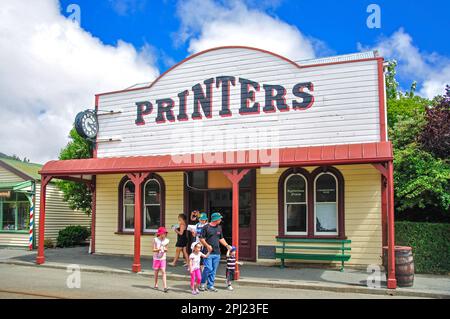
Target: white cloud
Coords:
[[50, 70], [431, 70], [125, 7], [207, 23]]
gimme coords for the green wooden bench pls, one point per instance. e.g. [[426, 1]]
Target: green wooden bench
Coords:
[[327, 245]]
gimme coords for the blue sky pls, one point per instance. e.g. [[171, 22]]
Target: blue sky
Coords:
[[52, 67], [341, 25]]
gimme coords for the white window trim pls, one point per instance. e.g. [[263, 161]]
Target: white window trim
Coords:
[[285, 206], [337, 207], [125, 205], [150, 230]]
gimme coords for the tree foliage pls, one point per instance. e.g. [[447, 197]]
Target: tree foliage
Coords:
[[419, 130], [77, 195], [435, 136]]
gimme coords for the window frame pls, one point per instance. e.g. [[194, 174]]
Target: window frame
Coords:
[[144, 206], [316, 233], [311, 224], [16, 213], [305, 203], [121, 205]]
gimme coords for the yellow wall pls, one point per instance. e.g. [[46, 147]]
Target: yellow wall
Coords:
[[362, 212], [107, 215]]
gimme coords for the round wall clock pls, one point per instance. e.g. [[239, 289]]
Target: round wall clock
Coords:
[[86, 124]]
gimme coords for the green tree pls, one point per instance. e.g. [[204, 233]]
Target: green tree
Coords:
[[77, 195], [421, 179]]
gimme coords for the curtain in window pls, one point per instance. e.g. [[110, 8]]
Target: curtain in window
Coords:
[[152, 195], [326, 204], [295, 204], [128, 205]]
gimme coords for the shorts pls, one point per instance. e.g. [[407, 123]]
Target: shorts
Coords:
[[159, 264]]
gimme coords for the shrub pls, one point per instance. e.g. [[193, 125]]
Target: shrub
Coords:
[[430, 243], [72, 236], [48, 243]]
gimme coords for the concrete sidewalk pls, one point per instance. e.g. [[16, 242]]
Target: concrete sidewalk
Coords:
[[350, 280]]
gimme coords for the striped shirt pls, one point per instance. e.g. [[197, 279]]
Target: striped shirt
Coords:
[[231, 262]]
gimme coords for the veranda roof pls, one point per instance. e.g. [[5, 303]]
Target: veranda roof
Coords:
[[287, 157]]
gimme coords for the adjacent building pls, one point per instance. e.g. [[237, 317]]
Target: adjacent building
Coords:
[[19, 198]]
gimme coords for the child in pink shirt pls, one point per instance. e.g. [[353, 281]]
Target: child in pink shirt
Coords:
[[160, 243], [194, 266]]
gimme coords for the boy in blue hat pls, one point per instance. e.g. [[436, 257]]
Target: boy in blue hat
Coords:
[[212, 238]]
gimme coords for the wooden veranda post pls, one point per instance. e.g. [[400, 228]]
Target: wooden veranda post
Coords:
[[235, 177], [137, 179], [40, 259]]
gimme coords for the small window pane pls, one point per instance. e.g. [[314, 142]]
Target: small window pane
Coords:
[[326, 217], [198, 179], [296, 217], [23, 216], [152, 192], [245, 208], [326, 188], [197, 200], [295, 189], [9, 218], [21, 197], [246, 180], [129, 216], [128, 194], [152, 217]]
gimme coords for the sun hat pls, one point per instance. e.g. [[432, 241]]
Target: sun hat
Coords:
[[203, 216], [161, 230], [195, 243], [216, 216]]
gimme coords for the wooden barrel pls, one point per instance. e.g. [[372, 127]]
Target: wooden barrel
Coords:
[[404, 265]]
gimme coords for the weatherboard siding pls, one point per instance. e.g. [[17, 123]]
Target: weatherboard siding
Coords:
[[362, 211], [7, 176], [58, 215], [345, 110], [14, 239], [107, 240]]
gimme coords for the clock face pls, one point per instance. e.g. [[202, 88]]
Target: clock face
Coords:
[[87, 125]]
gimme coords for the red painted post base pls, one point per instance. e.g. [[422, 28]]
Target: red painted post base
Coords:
[[40, 260], [136, 268], [392, 283]]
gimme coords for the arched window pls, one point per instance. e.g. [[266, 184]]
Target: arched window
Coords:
[[153, 204], [128, 206], [311, 205], [295, 205], [326, 204]]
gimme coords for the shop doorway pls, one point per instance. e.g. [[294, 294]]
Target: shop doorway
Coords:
[[204, 192]]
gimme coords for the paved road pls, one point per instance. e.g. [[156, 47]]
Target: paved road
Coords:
[[34, 282]]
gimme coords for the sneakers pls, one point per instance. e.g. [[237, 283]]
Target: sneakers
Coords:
[[212, 289], [202, 287], [230, 288], [194, 292]]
